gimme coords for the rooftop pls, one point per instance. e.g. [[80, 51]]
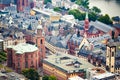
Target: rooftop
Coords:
[[23, 47], [117, 44], [104, 75], [67, 63], [76, 78], [1, 40], [99, 73], [101, 26]]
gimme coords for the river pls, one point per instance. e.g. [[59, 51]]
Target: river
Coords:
[[111, 7]]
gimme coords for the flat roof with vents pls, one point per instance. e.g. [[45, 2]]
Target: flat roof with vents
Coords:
[[67, 63]]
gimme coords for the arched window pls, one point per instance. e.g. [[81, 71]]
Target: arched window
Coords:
[[41, 41], [112, 54]]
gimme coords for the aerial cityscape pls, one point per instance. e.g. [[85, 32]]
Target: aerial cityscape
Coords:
[[59, 40]]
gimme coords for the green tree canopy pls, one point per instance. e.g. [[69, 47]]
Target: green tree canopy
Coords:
[[92, 16], [31, 74], [51, 77], [57, 9], [84, 3], [105, 19], [72, 0], [77, 14], [116, 18], [96, 9], [46, 1], [45, 77], [81, 16]]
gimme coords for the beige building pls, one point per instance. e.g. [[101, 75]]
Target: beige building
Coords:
[[9, 41], [113, 57], [65, 66]]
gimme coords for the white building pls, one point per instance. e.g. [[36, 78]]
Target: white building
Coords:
[[99, 74], [76, 78]]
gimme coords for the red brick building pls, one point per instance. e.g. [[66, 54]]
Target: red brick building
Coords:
[[27, 55], [22, 56], [21, 4], [38, 39]]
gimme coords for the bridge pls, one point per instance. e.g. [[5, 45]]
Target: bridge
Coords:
[[55, 49]]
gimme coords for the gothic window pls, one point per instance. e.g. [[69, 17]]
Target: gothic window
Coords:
[[26, 64], [112, 66], [41, 41], [112, 54], [31, 55], [36, 41], [31, 62], [18, 64], [26, 56]]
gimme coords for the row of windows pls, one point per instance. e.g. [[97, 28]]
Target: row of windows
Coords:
[[41, 41], [26, 64], [112, 54]]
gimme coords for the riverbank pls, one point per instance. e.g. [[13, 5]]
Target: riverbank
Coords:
[[111, 7]]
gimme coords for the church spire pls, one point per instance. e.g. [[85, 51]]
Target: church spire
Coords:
[[86, 24], [86, 17]]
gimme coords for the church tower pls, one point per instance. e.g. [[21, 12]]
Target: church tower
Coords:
[[86, 25], [19, 5], [40, 41], [110, 58]]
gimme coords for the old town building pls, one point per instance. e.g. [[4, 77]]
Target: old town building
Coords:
[[113, 57], [23, 56], [38, 39], [88, 30]]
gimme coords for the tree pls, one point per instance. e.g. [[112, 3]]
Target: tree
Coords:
[[31, 74], [45, 77], [105, 19], [116, 18], [84, 3], [51, 77], [96, 9], [93, 16], [46, 1], [77, 14], [72, 0], [57, 9]]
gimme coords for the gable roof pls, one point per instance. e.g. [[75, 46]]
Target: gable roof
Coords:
[[101, 26]]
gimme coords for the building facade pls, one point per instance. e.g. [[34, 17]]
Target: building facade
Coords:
[[99, 74], [4, 3], [113, 57], [9, 41], [21, 4], [40, 40], [65, 66], [23, 56], [1, 45]]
